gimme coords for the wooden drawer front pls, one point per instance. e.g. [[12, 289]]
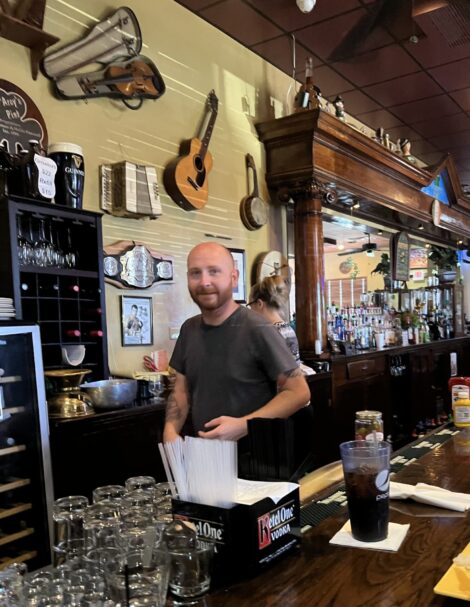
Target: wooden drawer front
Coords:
[[362, 368]]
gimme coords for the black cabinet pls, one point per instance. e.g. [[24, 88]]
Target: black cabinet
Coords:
[[51, 265], [106, 449]]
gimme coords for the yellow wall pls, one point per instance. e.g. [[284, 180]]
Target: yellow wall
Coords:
[[365, 265], [193, 57]]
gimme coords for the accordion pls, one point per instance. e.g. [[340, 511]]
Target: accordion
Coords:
[[130, 190]]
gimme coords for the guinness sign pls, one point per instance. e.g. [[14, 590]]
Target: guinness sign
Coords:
[[70, 176]]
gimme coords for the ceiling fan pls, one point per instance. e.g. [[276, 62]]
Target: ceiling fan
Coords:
[[367, 247], [398, 17]]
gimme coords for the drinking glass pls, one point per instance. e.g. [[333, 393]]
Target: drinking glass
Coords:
[[190, 571], [70, 255], [366, 467], [140, 482], [108, 492], [25, 248], [43, 251], [101, 525], [143, 500], [156, 387], [142, 580], [68, 513]]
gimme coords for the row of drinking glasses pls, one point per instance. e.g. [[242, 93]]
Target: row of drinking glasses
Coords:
[[120, 516], [107, 577], [44, 249], [124, 550]]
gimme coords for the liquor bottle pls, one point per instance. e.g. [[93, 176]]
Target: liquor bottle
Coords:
[[308, 95]]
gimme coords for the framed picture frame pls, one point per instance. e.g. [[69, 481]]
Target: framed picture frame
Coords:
[[136, 321], [239, 292], [400, 254]]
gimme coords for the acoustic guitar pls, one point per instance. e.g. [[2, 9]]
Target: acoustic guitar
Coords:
[[185, 177]]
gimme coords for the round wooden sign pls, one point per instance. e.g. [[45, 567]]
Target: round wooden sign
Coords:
[[20, 119]]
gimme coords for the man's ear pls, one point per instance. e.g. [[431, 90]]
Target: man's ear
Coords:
[[235, 276]]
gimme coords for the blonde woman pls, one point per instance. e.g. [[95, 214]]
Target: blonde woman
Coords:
[[269, 298]]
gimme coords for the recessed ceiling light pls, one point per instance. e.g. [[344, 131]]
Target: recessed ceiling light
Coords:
[[420, 226]]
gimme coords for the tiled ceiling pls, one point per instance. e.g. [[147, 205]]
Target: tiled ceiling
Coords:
[[416, 90]]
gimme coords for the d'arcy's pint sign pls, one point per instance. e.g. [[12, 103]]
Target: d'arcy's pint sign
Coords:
[[20, 119]]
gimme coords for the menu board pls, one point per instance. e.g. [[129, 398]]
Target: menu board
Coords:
[[20, 119], [400, 245]]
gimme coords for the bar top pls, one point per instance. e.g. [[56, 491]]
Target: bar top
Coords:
[[323, 575]]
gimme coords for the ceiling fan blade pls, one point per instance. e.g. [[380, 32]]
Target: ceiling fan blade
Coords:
[[394, 15], [351, 252]]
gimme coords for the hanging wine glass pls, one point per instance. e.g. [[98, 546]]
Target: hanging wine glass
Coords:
[[70, 254], [25, 248], [41, 246]]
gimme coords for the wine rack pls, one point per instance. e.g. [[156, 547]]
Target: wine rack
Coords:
[[25, 470], [65, 297]]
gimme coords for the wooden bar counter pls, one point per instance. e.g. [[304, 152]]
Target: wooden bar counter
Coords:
[[319, 574]]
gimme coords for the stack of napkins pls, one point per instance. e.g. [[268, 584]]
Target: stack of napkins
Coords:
[[429, 494], [396, 535]]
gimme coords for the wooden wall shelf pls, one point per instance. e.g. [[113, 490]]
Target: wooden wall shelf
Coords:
[[34, 38]]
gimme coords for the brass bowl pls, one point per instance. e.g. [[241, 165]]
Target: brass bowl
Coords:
[[66, 380], [66, 399]]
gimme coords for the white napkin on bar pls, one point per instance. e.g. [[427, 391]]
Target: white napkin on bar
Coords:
[[429, 494], [396, 535]]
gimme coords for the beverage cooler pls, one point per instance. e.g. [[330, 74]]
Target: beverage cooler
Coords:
[[25, 469]]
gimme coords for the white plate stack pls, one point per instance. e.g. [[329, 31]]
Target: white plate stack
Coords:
[[7, 311]]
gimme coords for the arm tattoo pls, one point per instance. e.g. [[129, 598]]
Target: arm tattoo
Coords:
[[173, 412], [294, 372]]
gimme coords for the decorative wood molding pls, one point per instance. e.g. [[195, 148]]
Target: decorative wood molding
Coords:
[[308, 189], [314, 145]]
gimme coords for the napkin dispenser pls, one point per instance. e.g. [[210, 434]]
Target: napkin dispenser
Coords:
[[246, 538]]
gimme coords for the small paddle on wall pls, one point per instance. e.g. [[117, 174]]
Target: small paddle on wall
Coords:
[[186, 177], [253, 209]]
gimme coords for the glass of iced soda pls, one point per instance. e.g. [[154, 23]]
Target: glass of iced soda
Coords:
[[366, 466]]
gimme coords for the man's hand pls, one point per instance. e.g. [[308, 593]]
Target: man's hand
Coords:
[[225, 428]]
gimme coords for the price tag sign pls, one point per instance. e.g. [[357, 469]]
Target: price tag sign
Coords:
[[47, 169]]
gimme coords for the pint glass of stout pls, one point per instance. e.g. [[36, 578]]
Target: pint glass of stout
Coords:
[[366, 467], [70, 176]]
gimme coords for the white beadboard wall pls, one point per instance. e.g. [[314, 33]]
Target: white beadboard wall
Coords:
[[193, 57]]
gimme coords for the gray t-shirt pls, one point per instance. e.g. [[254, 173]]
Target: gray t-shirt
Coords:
[[231, 369]]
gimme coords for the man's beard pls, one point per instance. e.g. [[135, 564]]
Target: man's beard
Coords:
[[218, 298]]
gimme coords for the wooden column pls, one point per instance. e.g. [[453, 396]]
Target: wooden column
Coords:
[[311, 321]]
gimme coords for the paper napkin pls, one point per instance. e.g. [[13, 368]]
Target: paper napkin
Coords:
[[396, 535], [429, 494]]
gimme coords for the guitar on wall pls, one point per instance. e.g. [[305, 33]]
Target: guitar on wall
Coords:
[[185, 177]]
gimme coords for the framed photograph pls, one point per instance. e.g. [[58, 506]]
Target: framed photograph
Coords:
[[136, 321], [418, 259], [239, 293]]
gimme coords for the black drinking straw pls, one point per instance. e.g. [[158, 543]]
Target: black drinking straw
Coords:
[[126, 581]]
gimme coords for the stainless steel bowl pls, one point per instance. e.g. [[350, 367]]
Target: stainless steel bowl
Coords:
[[111, 393]]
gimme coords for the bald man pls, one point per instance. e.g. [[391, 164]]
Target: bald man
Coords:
[[231, 364]]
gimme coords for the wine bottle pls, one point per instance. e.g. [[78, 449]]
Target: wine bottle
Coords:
[[73, 333], [95, 333], [308, 95]]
